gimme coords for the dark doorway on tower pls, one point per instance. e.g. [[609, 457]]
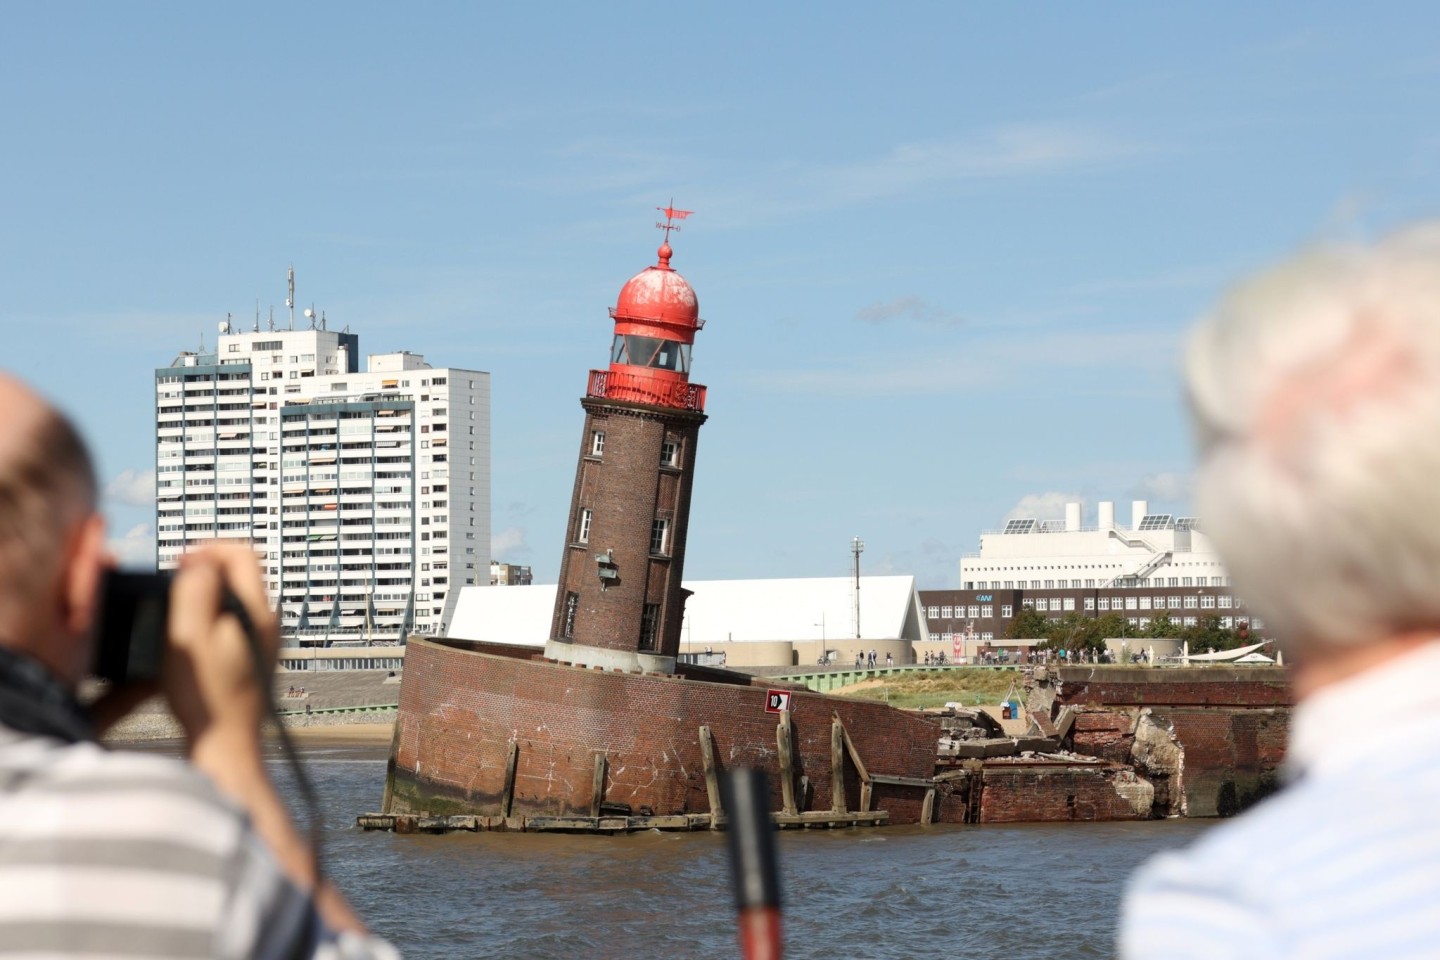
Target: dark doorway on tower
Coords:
[[649, 626]]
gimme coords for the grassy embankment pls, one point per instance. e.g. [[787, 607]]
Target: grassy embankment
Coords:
[[968, 687]]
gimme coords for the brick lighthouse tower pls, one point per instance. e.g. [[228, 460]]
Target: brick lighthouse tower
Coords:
[[619, 603]]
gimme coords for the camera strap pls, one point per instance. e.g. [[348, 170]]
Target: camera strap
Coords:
[[33, 701]]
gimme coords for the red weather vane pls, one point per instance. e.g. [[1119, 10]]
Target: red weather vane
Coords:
[[671, 215]]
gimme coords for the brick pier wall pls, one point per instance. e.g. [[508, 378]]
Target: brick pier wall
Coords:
[[1232, 724], [460, 709]]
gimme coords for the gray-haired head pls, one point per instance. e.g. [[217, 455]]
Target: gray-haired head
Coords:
[[1315, 392]]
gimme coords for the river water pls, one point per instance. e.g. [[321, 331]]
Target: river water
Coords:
[[1027, 891]]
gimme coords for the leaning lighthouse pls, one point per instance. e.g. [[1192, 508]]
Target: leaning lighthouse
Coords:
[[619, 603]]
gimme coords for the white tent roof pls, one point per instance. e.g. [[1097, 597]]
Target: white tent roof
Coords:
[[719, 611]]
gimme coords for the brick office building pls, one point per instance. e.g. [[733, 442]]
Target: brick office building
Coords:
[[954, 615]]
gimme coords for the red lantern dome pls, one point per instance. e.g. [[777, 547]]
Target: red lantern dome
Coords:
[[658, 296]]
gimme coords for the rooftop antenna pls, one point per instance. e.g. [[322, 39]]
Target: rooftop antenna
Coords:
[[257, 314], [322, 319], [311, 314], [290, 295], [272, 318]]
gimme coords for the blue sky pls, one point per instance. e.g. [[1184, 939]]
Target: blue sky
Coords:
[[946, 252]]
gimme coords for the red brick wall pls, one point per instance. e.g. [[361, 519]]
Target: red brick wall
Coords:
[[1104, 734], [1230, 755], [1192, 687], [460, 710], [1030, 794]]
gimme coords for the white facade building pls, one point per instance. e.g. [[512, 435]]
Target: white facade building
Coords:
[[1155, 550], [366, 495]]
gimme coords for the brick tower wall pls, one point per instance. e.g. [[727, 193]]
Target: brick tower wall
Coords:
[[627, 487], [460, 710]]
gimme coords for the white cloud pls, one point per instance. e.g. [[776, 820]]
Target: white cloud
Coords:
[[136, 548], [1167, 487], [1044, 506], [1007, 151], [133, 488], [509, 542], [907, 308], [982, 364]]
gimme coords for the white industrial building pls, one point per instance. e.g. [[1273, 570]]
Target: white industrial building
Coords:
[[1155, 550], [367, 494], [750, 622]]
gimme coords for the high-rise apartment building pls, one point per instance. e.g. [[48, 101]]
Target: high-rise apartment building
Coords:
[[366, 494]]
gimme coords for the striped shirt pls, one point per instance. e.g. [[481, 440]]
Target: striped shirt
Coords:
[[1342, 863], [111, 854]]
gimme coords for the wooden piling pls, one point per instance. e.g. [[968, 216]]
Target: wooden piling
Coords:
[[597, 786], [865, 787], [507, 799], [787, 763], [837, 766], [712, 779], [927, 809]]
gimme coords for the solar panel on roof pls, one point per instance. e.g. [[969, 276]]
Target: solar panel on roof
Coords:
[[1155, 521], [1020, 526], [1187, 523]]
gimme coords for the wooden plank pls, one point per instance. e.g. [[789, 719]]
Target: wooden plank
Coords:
[[787, 762], [866, 792], [927, 809], [898, 781], [507, 799], [837, 766], [854, 754], [597, 785], [712, 779]]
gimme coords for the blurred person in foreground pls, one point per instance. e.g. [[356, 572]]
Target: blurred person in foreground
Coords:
[[1315, 390], [113, 854]]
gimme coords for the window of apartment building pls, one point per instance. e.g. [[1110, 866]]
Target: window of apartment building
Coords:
[[1227, 623], [1006, 610], [974, 611], [649, 626], [1129, 603], [597, 443], [670, 453], [1172, 603], [1224, 603], [947, 612], [1027, 604], [1089, 603], [1191, 603], [933, 613], [987, 612], [1089, 583], [1144, 603], [1069, 603], [1188, 622], [1009, 584], [1104, 604], [1174, 582], [1159, 603], [1049, 584], [583, 535], [658, 531], [1187, 581], [1041, 604]]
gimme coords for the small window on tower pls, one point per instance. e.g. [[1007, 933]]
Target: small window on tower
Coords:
[[597, 443], [670, 453], [658, 531], [584, 534]]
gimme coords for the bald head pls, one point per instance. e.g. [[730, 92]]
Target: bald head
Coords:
[[47, 487]]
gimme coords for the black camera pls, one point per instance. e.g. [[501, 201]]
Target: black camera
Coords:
[[134, 609]]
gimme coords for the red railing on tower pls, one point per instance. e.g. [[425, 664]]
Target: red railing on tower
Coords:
[[616, 385]]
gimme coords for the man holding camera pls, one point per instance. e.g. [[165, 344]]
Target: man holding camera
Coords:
[[119, 854]]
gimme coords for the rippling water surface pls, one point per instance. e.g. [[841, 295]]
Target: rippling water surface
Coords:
[[945, 891]]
